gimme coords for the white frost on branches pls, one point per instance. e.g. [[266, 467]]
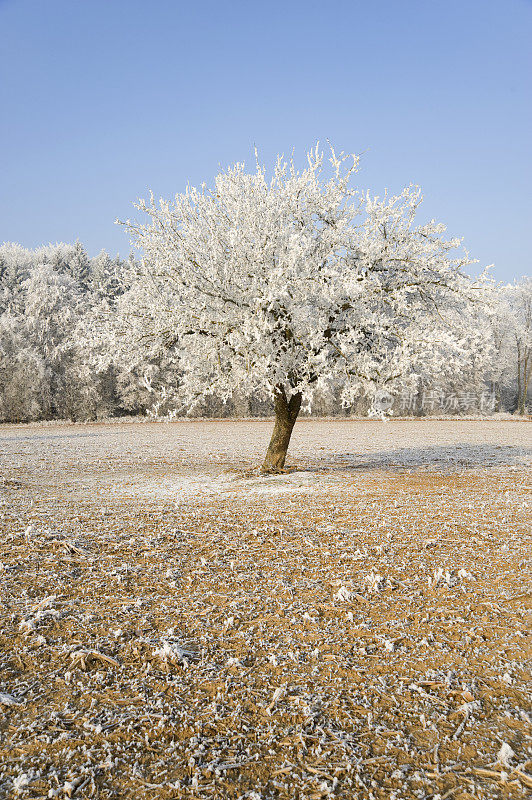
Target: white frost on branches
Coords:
[[300, 281], [296, 279]]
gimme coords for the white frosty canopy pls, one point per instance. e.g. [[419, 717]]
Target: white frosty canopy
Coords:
[[299, 282]]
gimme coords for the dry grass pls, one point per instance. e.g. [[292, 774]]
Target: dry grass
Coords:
[[366, 641]]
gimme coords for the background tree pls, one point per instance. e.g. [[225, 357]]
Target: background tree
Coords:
[[79, 266], [24, 377], [502, 373], [45, 312], [520, 300], [15, 266], [289, 286]]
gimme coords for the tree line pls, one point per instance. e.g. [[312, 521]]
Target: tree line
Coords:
[[263, 294], [58, 361]]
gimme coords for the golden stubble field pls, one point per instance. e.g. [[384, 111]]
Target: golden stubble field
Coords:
[[174, 625]]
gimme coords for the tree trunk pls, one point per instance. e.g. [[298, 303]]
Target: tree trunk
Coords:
[[286, 412], [527, 370], [519, 390], [497, 393]]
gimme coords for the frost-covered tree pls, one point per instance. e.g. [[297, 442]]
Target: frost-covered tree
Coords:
[[24, 377], [48, 303], [501, 320], [100, 272], [144, 372], [520, 300], [286, 286], [52, 307], [40, 350], [59, 255], [15, 265], [79, 266], [510, 320], [106, 275]]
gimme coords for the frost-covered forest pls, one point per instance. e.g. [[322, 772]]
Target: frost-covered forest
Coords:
[[293, 290], [56, 361]]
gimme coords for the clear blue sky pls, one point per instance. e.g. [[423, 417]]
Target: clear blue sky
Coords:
[[102, 99]]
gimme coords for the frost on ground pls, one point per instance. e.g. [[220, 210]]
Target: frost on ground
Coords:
[[173, 625]]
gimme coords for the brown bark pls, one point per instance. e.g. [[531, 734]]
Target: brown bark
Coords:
[[525, 371], [286, 411], [520, 403]]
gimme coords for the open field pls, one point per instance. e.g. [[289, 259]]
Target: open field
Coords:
[[174, 625]]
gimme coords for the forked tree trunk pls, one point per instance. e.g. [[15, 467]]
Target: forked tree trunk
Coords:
[[286, 412]]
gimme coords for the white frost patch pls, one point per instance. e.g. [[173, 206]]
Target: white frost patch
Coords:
[[8, 700], [280, 484], [344, 594], [440, 577], [173, 653], [375, 582], [505, 755], [42, 611], [20, 782], [463, 573], [278, 694], [179, 488], [184, 488], [448, 578]]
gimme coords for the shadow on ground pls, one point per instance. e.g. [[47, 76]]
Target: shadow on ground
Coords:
[[444, 458]]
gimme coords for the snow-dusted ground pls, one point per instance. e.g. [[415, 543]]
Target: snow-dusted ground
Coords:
[[173, 625], [187, 459]]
